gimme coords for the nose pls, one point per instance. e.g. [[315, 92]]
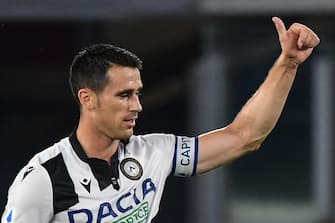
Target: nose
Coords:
[[135, 104]]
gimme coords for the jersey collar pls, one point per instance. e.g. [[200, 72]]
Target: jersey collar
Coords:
[[105, 173]]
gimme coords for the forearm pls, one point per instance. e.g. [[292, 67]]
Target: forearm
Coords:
[[261, 113], [253, 123]]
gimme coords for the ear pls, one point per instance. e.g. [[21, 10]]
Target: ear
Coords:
[[87, 98]]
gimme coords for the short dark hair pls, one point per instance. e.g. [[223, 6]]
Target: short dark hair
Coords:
[[90, 65]]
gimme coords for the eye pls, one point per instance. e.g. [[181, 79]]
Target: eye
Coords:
[[124, 95], [138, 93]]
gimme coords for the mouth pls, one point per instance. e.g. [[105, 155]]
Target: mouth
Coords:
[[131, 122]]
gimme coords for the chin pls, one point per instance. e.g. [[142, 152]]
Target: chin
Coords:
[[121, 134], [127, 134]]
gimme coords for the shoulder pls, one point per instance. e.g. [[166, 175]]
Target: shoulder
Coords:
[[34, 178], [63, 146], [30, 196], [32, 188], [40, 184], [158, 145], [153, 139]]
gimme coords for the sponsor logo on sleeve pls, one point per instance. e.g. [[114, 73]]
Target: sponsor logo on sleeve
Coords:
[[28, 171]]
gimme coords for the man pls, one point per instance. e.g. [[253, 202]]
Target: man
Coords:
[[104, 173]]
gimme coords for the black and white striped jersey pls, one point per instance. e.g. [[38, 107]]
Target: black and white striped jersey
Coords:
[[61, 184]]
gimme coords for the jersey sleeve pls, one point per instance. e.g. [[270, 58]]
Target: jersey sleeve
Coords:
[[178, 153], [185, 158], [29, 197]]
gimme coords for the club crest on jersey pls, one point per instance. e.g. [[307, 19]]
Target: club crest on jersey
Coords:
[[131, 168]]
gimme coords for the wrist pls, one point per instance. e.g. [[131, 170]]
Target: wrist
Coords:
[[287, 61]]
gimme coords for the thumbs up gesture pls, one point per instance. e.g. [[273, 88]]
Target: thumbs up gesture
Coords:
[[297, 42]]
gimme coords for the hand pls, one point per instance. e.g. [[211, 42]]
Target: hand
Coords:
[[297, 42]]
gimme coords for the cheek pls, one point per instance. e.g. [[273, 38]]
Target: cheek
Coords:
[[110, 121], [112, 105], [112, 109], [115, 113]]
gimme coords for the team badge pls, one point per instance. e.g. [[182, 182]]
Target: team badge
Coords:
[[131, 168]]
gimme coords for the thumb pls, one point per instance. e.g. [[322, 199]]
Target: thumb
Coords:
[[280, 26]]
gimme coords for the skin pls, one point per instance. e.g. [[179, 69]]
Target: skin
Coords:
[[103, 119], [109, 116], [260, 114]]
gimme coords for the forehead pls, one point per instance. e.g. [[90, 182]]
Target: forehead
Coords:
[[121, 77]]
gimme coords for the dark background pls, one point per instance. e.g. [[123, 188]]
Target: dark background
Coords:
[[37, 108]]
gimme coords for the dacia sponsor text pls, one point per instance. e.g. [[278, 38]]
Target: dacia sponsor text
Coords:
[[138, 208]]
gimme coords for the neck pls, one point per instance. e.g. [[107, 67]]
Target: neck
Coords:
[[95, 143]]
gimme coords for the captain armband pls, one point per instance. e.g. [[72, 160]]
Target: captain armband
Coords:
[[185, 157]]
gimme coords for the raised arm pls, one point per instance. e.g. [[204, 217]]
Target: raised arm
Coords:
[[260, 114]]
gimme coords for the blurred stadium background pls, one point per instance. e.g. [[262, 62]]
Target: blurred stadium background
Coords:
[[202, 60]]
